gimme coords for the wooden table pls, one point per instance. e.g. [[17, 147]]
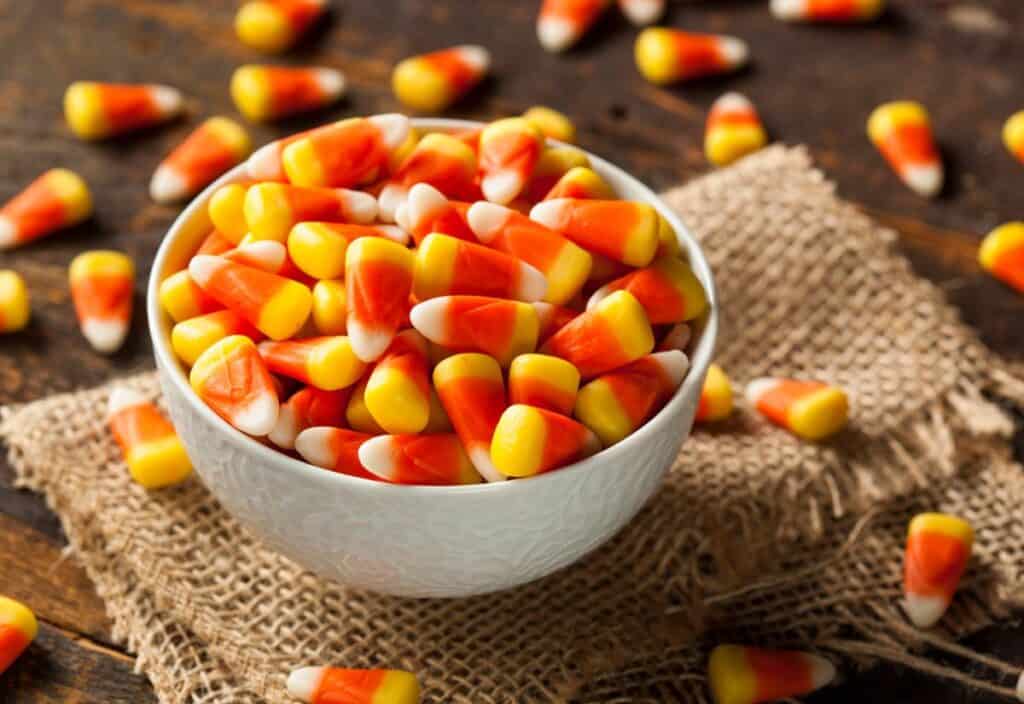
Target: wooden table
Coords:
[[813, 85]]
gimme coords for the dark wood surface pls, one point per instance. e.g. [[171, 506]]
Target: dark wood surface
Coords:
[[813, 85]]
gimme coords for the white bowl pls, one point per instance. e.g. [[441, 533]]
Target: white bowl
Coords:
[[425, 541]]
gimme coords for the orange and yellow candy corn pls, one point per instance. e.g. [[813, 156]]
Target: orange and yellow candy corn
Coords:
[[715, 397], [613, 333], [500, 328], [102, 287], [182, 298], [642, 12], [472, 392], [809, 409], [543, 381], [529, 441], [15, 309], [440, 160], [215, 243], [552, 318], [227, 211], [347, 153], [1013, 135], [329, 309], [562, 23], [318, 248], [336, 449], [273, 209], [733, 130], [1002, 254], [57, 199], [151, 447], [551, 123], [418, 459], [617, 403], [378, 280], [581, 182], [276, 306], [232, 379], [265, 163], [432, 82], [509, 150], [667, 289], [191, 337], [266, 255], [275, 25], [553, 164], [670, 55], [626, 231], [938, 548], [213, 148], [427, 210], [447, 266], [18, 628], [827, 10], [741, 675], [308, 407], [397, 392], [329, 685], [326, 363], [100, 110], [564, 264], [902, 131], [357, 415]]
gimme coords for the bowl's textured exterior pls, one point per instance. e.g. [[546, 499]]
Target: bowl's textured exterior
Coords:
[[424, 541]]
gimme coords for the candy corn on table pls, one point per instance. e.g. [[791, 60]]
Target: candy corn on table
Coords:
[[811, 84]]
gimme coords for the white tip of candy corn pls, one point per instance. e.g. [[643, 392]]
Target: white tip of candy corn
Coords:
[[502, 186], [533, 285], [733, 102], [169, 101], [122, 397], [359, 207], [367, 344], [423, 201], [487, 219], [429, 318], [202, 267], [674, 363], [8, 233], [330, 81], [265, 163], [391, 198], [167, 185], [259, 415], [822, 670], [476, 56], [924, 180], [643, 12], [481, 459], [394, 128], [789, 10], [395, 233], [285, 429], [924, 611], [550, 213], [758, 388], [377, 455], [302, 683], [105, 336], [268, 255], [735, 51], [556, 34]]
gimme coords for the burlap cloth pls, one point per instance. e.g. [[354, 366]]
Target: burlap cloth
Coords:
[[756, 536]]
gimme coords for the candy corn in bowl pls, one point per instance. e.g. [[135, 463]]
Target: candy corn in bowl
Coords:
[[412, 388]]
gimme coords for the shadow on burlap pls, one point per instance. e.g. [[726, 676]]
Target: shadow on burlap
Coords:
[[756, 537]]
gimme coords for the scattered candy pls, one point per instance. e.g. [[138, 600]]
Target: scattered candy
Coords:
[[562, 23], [193, 336], [14, 302], [1002, 254], [57, 199], [336, 449], [827, 10], [329, 309], [151, 447], [543, 381], [472, 392], [232, 379], [397, 392], [227, 211], [275, 25], [448, 266], [272, 209], [509, 150], [500, 328], [1013, 135], [326, 363], [551, 123], [581, 182], [642, 12], [809, 409], [938, 548], [265, 93], [902, 132], [308, 407], [102, 286], [379, 278], [432, 82], [667, 289], [101, 110], [214, 147], [347, 153], [734, 130], [18, 628], [670, 55], [418, 459], [329, 685], [626, 231], [529, 441], [742, 675], [715, 397]]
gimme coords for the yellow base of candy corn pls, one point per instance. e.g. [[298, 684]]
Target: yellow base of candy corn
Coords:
[[159, 463], [333, 365], [731, 679], [518, 442], [396, 402], [598, 408], [820, 414], [717, 394], [725, 145], [14, 613], [15, 309]]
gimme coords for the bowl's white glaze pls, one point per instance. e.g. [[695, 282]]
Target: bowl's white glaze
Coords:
[[425, 541]]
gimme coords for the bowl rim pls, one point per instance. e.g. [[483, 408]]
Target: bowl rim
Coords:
[[172, 371]]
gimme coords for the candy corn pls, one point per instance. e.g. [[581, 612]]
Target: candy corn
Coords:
[[642, 12], [432, 82], [14, 302], [278, 307], [213, 148], [272, 209], [827, 10], [215, 243], [265, 163], [182, 298], [667, 289], [347, 153], [809, 409], [626, 231], [329, 310], [734, 130], [617, 403], [564, 264], [336, 449], [611, 334], [509, 150], [357, 414], [102, 284], [529, 441], [715, 397], [902, 132], [18, 628], [742, 675], [1013, 135], [275, 25], [500, 328], [581, 182], [552, 165], [318, 248], [397, 392], [308, 408], [552, 318], [379, 276], [427, 210], [59, 198], [440, 160], [561, 23], [191, 337], [329, 685], [100, 110], [232, 379], [418, 459], [326, 363], [447, 266], [227, 211], [938, 548], [670, 55], [472, 392], [551, 123], [266, 255], [151, 447], [1002, 254], [543, 381]]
